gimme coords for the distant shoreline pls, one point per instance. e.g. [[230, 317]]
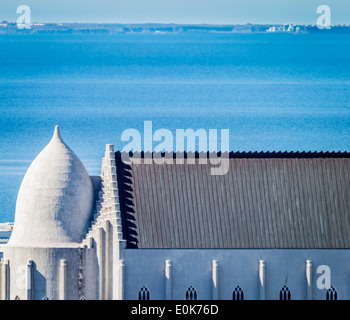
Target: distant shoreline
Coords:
[[158, 28]]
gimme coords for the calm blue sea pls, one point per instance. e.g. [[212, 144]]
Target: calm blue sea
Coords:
[[277, 92]]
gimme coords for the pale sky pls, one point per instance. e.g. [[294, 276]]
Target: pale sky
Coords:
[[177, 11]]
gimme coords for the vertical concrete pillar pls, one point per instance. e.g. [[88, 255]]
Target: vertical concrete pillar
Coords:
[[29, 280], [100, 257], [121, 276], [168, 289], [5, 275], [107, 260], [308, 279], [262, 279], [215, 279], [63, 280], [118, 265]]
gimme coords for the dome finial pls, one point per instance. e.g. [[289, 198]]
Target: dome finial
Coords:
[[57, 133]]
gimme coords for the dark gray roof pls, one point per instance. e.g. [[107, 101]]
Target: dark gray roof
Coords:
[[266, 200]]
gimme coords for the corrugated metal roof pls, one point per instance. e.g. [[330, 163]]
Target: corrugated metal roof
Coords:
[[266, 200]]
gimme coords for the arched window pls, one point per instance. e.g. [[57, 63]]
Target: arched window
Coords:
[[82, 298], [191, 293], [285, 293], [46, 298], [331, 294], [144, 294], [17, 298], [238, 293]]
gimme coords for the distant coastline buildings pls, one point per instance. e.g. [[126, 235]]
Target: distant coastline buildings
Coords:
[[173, 231], [87, 28], [288, 27]]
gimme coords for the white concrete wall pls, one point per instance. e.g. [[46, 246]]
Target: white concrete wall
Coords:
[[236, 267], [46, 273]]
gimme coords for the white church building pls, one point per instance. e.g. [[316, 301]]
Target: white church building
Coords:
[[276, 226]]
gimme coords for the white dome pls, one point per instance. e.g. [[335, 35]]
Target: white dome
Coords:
[[55, 200]]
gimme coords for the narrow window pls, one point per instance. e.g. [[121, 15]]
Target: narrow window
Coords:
[[285, 293], [144, 294], [238, 293], [331, 294], [191, 293]]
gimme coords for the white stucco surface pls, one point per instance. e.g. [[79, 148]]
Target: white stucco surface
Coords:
[[193, 267], [55, 199], [46, 274]]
